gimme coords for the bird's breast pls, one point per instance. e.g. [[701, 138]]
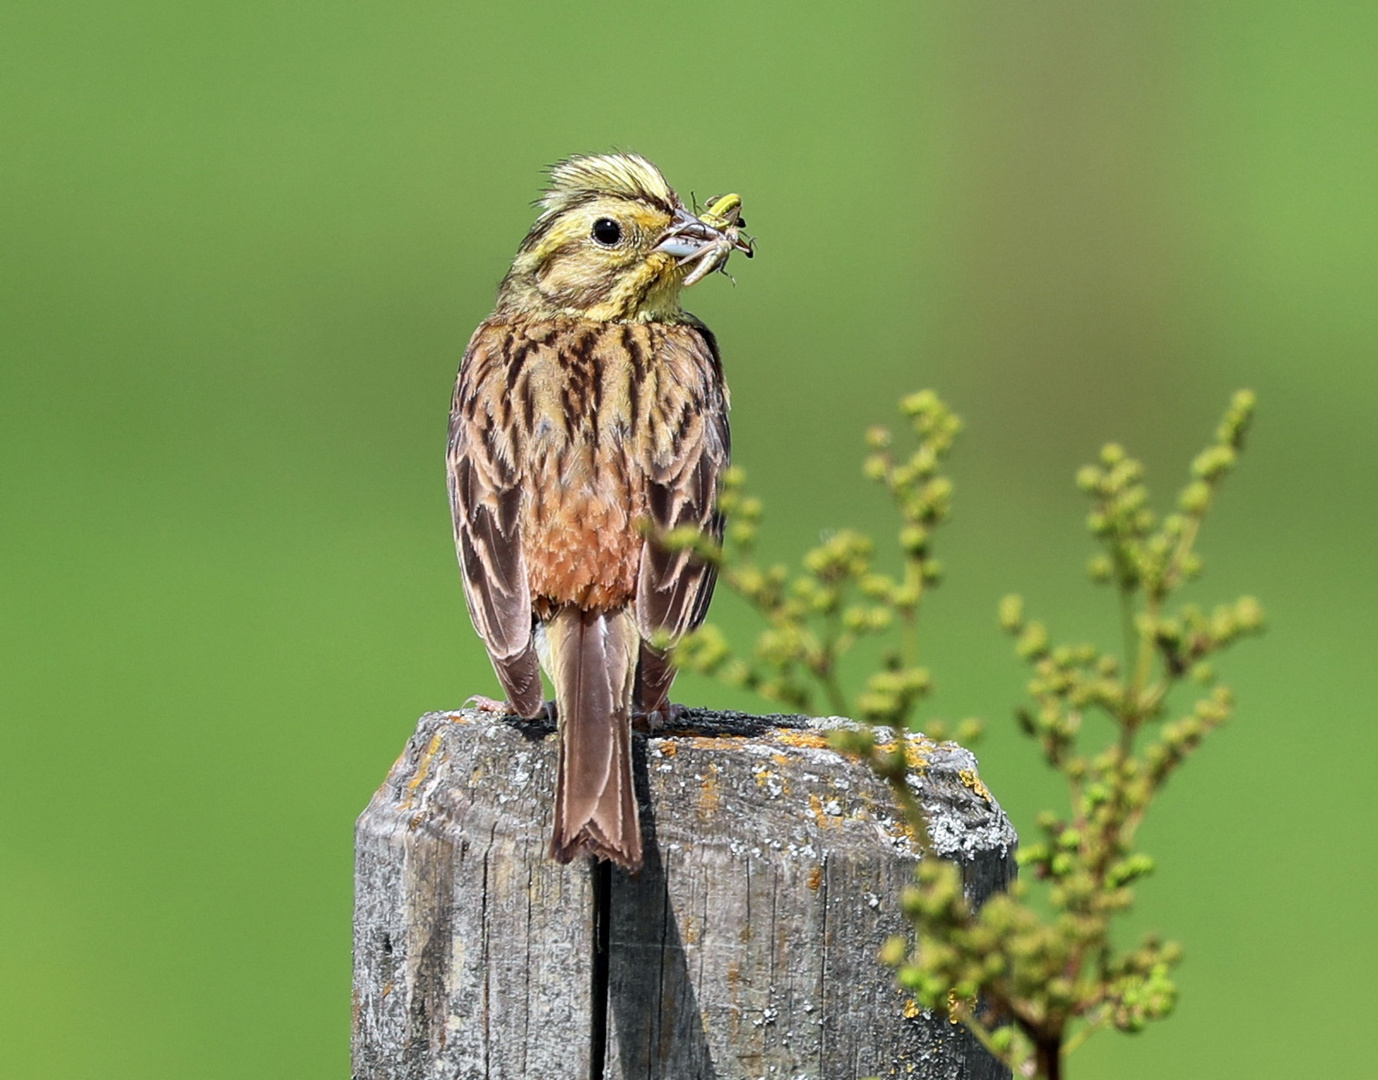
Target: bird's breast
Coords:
[[593, 401]]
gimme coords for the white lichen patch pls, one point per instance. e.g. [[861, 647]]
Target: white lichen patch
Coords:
[[765, 778]]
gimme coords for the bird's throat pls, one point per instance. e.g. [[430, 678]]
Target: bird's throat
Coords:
[[648, 292]]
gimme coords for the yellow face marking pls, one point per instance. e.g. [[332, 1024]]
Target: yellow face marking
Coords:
[[577, 273]]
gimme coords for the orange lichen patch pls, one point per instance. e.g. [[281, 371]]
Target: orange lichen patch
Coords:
[[691, 929], [710, 794], [911, 1009], [815, 878], [713, 742], [825, 820], [969, 778], [423, 768], [457, 718], [903, 830], [669, 747], [916, 751], [810, 739], [779, 759], [957, 1006]]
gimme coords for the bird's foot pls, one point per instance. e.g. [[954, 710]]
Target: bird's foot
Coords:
[[482, 704], [654, 720]]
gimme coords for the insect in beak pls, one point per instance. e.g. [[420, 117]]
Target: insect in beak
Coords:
[[704, 243]]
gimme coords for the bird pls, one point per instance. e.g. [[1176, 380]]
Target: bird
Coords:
[[589, 417]]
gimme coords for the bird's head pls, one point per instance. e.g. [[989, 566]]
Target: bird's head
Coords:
[[614, 243]]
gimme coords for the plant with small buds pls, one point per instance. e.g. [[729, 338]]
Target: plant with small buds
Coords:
[[816, 615], [1032, 976]]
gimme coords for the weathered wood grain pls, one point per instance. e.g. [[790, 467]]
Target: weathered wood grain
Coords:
[[745, 948]]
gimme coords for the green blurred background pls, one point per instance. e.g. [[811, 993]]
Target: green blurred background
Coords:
[[241, 249]]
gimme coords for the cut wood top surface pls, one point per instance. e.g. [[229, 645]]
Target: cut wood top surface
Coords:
[[725, 777]]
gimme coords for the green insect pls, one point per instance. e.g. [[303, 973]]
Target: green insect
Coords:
[[724, 214]]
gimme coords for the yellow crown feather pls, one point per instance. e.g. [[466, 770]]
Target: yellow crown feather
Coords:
[[586, 176]]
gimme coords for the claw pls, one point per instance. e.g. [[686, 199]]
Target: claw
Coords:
[[668, 715]]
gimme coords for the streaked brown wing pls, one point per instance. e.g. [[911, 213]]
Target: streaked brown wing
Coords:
[[687, 448], [485, 502]]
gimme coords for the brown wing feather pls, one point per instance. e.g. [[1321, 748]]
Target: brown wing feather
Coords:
[[688, 447], [485, 503]]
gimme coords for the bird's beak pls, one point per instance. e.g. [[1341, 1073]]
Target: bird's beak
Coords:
[[691, 239]]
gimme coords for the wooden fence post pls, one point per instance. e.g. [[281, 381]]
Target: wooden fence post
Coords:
[[744, 950]]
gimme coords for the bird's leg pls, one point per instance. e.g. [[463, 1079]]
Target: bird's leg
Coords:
[[651, 707]]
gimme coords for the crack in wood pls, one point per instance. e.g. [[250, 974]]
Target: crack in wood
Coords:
[[601, 873]]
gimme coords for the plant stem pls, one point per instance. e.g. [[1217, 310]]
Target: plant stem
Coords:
[[1086, 1031], [914, 814], [983, 1035], [1048, 1058], [1128, 626], [1172, 572], [909, 641]]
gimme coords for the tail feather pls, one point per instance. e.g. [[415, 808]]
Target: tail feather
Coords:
[[593, 666]]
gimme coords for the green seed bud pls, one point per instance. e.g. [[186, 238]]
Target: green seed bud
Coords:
[[1195, 498], [1033, 643], [1012, 614], [878, 437], [743, 533], [914, 539], [1248, 614], [925, 401], [1100, 569], [894, 951]]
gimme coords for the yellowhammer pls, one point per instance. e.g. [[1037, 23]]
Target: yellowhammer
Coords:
[[588, 405]]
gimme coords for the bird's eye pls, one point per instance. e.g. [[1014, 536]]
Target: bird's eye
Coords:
[[606, 231]]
